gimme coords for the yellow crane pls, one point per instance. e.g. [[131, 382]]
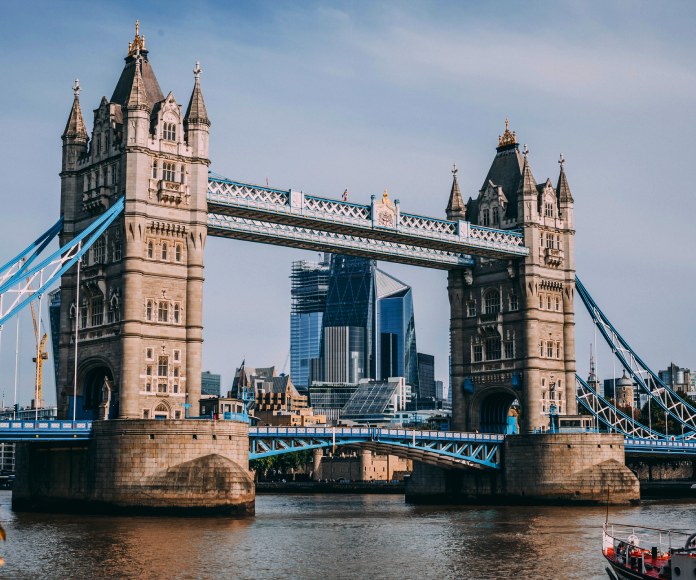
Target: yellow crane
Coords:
[[41, 356]]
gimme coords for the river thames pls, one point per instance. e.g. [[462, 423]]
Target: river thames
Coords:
[[326, 536]]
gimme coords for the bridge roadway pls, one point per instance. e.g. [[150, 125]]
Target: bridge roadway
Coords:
[[448, 449]]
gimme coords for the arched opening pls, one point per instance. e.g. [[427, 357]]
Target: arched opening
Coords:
[[498, 413], [93, 392], [161, 411]]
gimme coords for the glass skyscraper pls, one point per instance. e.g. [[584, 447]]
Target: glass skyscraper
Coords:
[[309, 288], [363, 330]]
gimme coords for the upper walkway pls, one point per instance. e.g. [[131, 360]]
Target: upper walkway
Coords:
[[379, 230]]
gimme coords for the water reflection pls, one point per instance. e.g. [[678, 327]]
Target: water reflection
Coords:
[[326, 536]]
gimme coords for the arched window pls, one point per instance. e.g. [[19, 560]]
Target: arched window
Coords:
[[177, 252], [154, 169], [164, 250], [163, 312], [492, 302], [548, 302], [176, 314], [161, 410], [558, 350], [485, 217], [495, 215], [558, 303], [148, 310], [549, 349], [541, 348], [149, 249]]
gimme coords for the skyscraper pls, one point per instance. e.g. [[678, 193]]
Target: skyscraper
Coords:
[[367, 328], [309, 288]]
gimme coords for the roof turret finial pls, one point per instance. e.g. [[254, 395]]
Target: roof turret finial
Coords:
[[197, 70], [454, 170], [76, 88], [507, 138], [561, 161], [138, 43], [525, 151]]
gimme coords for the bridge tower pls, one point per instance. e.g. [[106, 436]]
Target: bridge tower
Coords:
[[140, 297], [512, 322]]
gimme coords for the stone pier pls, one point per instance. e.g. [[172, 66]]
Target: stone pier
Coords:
[[185, 467], [583, 468]]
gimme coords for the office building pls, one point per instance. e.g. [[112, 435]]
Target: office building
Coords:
[[426, 377], [678, 379], [210, 384], [309, 289]]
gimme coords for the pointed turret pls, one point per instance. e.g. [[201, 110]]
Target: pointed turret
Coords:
[[528, 185], [75, 129], [195, 112], [563, 189], [455, 208], [196, 122], [138, 95]]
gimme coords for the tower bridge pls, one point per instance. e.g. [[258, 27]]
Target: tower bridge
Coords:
[[137, 203]]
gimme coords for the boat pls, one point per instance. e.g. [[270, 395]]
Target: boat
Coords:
[[640, 553]]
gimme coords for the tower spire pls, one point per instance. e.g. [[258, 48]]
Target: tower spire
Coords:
[[562, 188], [196, 112], [455, 206], [527, 182], [138, 94], [75, 127]]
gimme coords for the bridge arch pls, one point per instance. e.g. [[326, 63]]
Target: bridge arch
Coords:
[[91, 392], [491, 408]]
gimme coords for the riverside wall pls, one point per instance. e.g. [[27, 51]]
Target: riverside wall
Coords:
[[187, 467], [587, 468]]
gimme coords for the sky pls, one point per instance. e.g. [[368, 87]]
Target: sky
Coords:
[[323, 96]]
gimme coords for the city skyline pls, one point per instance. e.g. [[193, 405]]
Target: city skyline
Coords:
[[421, 104]]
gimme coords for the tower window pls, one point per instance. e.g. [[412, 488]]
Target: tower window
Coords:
[[149, 249], [549, 349], [492, 302], [163, 312], [164, 250], [99, 251], [177, 252], [169, 132], [148, 310], [558, 350], [176, 314], [493, 348], [169, 171], [83, 316], [154, 169], [549, 210], [548, 302], [97, 311], [514, 301], [163, 366], [549, 241], [485, 217], [118, 246], [509, 349], [478, 353], [558, 303], [471, 308], [541, 301], [541, 348], [495, 216]]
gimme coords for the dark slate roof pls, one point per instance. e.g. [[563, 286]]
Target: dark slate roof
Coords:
[[125, 82], [506, 172]]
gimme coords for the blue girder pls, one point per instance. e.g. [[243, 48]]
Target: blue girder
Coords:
[[479, 450], [50, 430], [670, 402], [55, 265]]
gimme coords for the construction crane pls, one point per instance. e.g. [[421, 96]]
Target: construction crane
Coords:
[[41, 356]]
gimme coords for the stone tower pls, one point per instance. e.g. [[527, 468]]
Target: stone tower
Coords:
[[512, 322], [141, 284]]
